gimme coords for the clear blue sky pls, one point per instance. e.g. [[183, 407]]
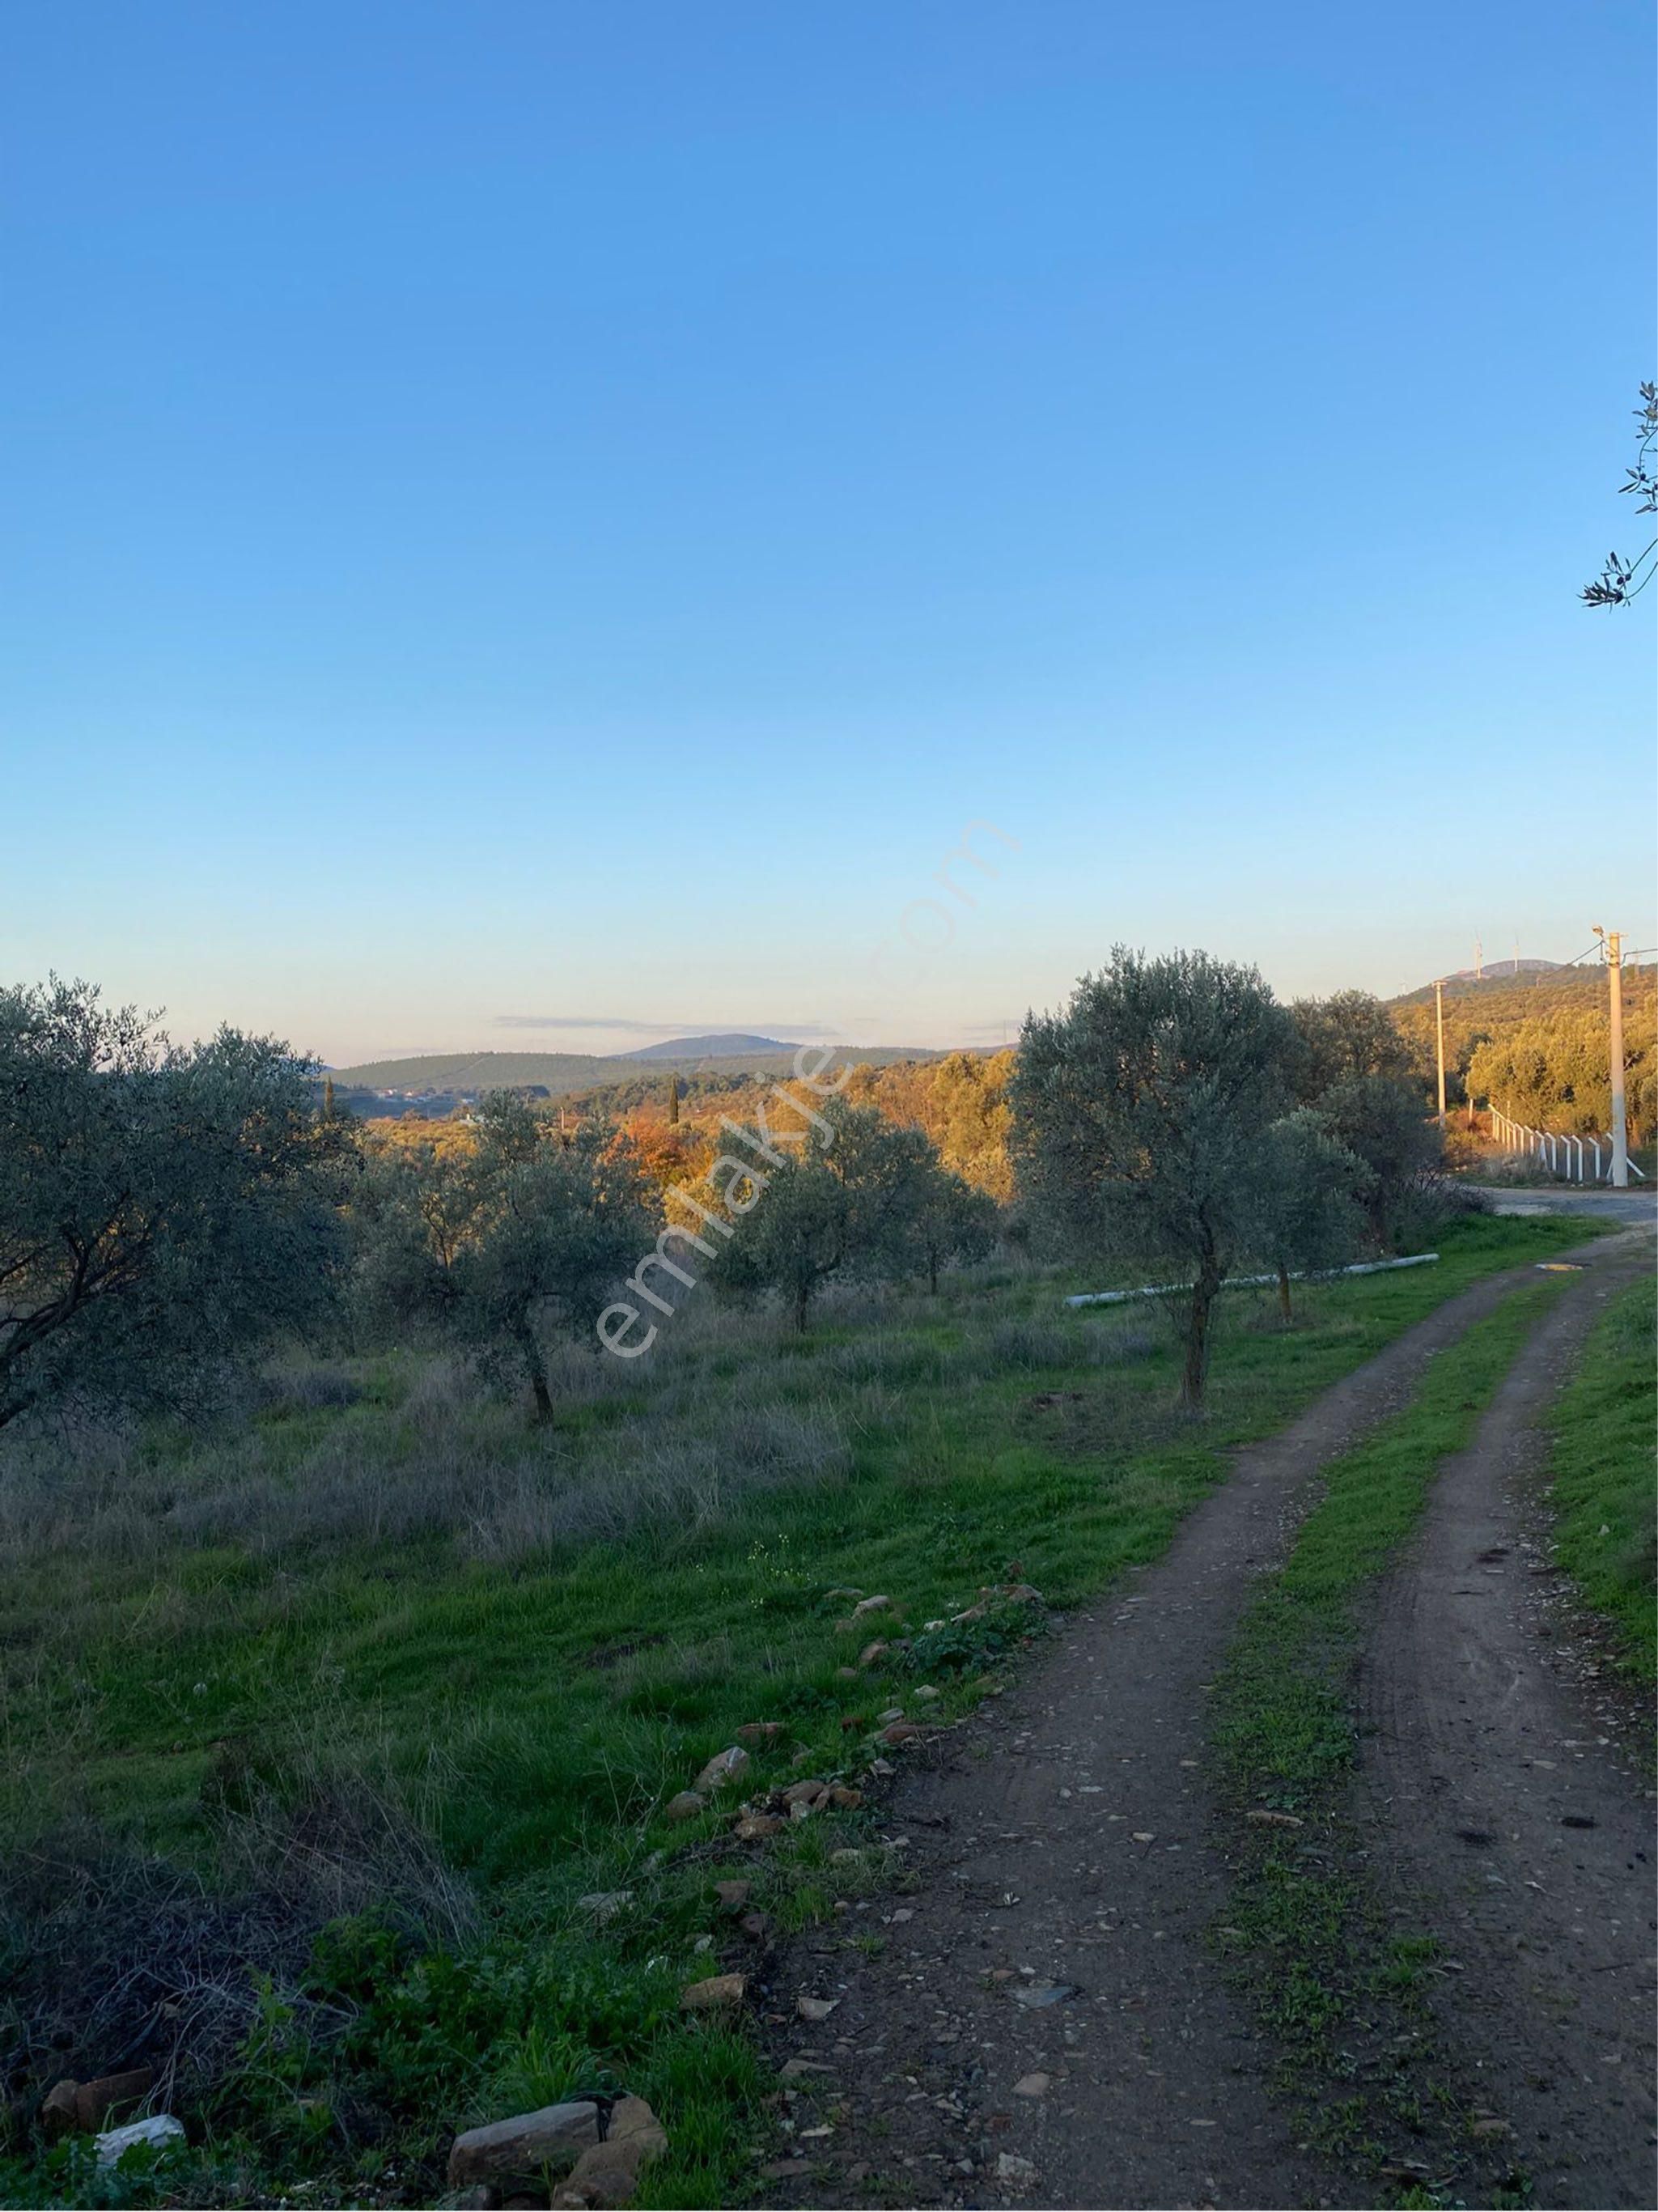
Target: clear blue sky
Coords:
[[533, 510]]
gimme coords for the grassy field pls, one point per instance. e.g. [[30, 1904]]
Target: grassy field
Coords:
[[1603, 1468], [380, 1656]]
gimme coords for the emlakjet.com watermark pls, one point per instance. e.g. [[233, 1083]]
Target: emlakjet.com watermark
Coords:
[[735, 1184]]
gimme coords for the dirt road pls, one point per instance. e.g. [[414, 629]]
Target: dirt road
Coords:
[[1503, 1781], [1042, 2021]]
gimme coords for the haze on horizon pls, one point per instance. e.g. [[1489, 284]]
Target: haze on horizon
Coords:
[[540, 529]]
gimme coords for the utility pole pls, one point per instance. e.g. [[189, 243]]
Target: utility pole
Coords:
[[1613, 943], [1439, 1032]]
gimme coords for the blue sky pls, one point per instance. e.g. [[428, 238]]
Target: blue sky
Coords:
[[537, 511]]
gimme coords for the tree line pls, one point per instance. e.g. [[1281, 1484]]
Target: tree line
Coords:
[[164, 1212]]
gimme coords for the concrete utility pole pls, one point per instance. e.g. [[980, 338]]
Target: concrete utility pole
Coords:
[[1612, 941], [1439, 1031]]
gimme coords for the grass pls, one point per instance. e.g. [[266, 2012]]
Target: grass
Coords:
[[1338, 1990], [1602, 1471], [382, 1589]]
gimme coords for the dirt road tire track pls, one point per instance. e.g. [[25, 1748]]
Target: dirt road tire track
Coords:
[[1066, 1831], [1508, 1800]]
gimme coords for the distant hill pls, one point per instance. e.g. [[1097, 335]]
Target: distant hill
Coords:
[[439, 1079], [728, 1044], [1499, 977]]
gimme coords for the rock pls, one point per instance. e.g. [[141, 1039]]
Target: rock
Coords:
[[927, 1693], [1263, 1819], [1031, 2085], [784, 2169], [844, 1591], [1018, 1594], [871, 1652], [57, 2108], [795, 2069], [1010, 2166], [547, 2141], [847, 1799], [882, 1766], [98, 2102], [1035, 1996], [806, 1791], [755, 1827], [757, 1925], [846, 1673], [756, 1732], [482, 2199], [603, 1904], [845, 1858], [900, 1732], [892, 1713], [1490, 2128], [158, 2131], [868, 1605], [725, 1766], [608, 2174], [686, 1805], [732, 1895], [969, 1612], [815, 2008], [719, 1989]]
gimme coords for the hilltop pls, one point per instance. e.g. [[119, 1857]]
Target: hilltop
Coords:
[[729, 1044]]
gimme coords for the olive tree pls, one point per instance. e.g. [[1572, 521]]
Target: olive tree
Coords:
[[1138, 1118], [1307, 1216], [849, 1203], [1358, 1074], [951, 1226], [162, 1210]]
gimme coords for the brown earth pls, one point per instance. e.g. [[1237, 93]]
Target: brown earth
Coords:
[[1042, 2020]]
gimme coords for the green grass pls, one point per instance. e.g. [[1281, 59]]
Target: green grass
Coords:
[[1602, 1467], [382, 1602], [1338, 1988]]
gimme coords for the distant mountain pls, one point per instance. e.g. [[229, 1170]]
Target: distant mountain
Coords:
[[728, 1044], [437, 1077]]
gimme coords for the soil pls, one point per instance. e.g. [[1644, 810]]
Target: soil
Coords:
[[1505, 1778], [1042, 2019]]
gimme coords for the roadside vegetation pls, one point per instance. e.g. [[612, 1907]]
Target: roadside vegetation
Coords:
[[1337, 1987], [365, 1620], [1604, 1493]]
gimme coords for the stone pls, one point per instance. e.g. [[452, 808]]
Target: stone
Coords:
[[871, 1652], [900, 1732], [795, 2069], [868, 1605], [725, 1766], [757, 1732], [843, 1591], [1019, 1593], [806, 1791], [481, 2198], [732, 1896], [604, 1905], [757, 1925], [927, 1693], [755, 1827], [846, 1674], [1010, 2166], [686, 1805], [848, 1857], [57, 2108], [845, 1797], [719, 1990], [892, 1713], [1035, 1996], [1263, 1819], [815, 2008], [608, 2174], [160, 2129], [1031, 2085], [98, 2102], [546, 2141]]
